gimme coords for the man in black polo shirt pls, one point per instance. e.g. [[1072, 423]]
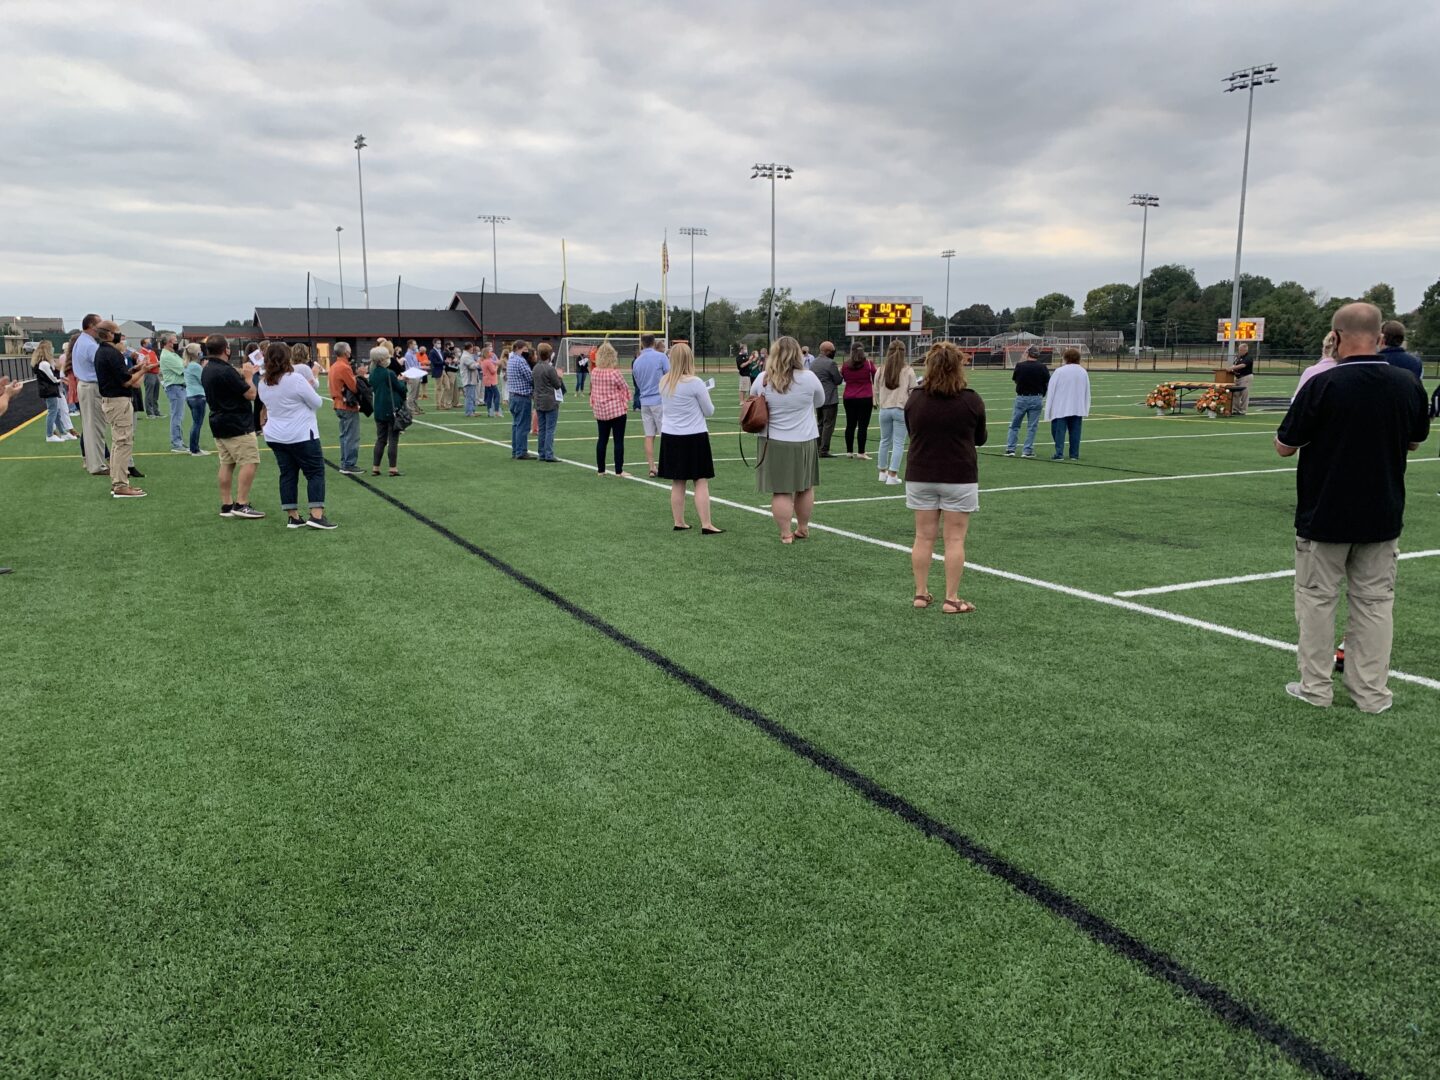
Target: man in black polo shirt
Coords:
[[1353, 426], [1244, 371], [231, 396], [116, 383], [1031, 378]]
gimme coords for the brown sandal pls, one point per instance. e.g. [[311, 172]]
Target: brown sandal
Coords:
[[923, 600], [957, 607]]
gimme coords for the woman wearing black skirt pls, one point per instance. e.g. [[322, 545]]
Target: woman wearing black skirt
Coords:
[[685, 439]]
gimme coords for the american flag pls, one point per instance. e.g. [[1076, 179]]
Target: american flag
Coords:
[[665, 256]]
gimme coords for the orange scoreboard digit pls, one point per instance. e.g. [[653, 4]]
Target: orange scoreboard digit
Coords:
[[883, 315], [1250, 330]]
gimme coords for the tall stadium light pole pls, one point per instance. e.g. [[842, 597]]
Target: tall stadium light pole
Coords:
[[364, 255], [947, 255], [1144, 201], [340, 262], [772, 172], [1246, 79], [493, 220], [692, 232]]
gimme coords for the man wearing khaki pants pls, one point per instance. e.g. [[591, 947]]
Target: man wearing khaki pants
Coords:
[[1353, 426], [115, 383]]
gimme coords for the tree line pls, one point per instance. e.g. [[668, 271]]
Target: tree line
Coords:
[[1178, 311]]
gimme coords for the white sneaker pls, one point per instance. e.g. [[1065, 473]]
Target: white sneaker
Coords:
[[883, 476], [893, 480], [56, 438], [1295, 691]]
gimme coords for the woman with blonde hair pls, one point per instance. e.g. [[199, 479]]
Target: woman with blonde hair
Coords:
[[610, 402], [788, 468], [1325, 363], [893, 383], [51, 388], [946, 421], [685, 439]]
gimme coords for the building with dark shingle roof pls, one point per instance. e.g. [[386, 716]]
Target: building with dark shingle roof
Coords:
[[511, 315]]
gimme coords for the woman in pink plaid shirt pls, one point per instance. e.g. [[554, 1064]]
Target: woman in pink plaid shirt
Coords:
[[610, 398]]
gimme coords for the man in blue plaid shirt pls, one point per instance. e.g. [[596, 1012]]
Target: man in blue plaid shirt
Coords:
[[521, 385]]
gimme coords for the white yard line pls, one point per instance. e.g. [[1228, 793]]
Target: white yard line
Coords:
[[1050, 586], [1275, 575], [1073, 484]]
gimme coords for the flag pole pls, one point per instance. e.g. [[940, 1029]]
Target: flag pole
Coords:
[[665, 288]]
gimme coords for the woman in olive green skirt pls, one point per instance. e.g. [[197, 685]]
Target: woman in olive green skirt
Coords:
[[789, 465]]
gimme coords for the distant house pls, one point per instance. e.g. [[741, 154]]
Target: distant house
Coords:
[[135, 330], [34, 326]]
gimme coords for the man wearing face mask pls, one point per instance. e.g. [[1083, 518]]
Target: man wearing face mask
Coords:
[[521, 384]]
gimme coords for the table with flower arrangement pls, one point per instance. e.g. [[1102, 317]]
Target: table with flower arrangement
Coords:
[[1214, 399]]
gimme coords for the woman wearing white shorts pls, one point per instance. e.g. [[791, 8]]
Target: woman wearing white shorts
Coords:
[[946, 421]]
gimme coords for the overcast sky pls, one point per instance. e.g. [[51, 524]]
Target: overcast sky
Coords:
[[188, 161]]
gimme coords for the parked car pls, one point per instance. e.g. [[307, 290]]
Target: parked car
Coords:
[[30, 346]]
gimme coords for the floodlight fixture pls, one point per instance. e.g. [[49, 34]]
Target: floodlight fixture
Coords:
[[772, 171], [1246, 79], [493, 220]]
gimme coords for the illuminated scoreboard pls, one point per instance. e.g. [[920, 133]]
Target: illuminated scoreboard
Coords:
[[883, 315], [1250, 330]]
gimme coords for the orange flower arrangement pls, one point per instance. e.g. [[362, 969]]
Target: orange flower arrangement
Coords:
[[1215, 400], [1162, 397]]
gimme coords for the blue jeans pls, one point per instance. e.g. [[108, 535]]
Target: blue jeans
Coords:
[[1058, 427], [893, 436], [519, 425], [1027, 407], [54, 425], [293, 459], [580, 377], [469, 401], [492, 400], [197, 418], [349, 437], [547, 433], [175, 395]]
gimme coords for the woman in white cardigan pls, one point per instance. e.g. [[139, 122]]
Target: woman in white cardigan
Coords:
[[1067, 403], [292, 432]]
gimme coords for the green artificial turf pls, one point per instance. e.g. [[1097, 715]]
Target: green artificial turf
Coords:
[[357, 804]]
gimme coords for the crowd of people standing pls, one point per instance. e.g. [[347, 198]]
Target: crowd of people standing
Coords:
[[1356, 414]]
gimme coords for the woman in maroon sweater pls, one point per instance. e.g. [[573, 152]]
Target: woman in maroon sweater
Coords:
[[946, 421]]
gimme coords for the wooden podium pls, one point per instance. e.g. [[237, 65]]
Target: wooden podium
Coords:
[[1224, 376]]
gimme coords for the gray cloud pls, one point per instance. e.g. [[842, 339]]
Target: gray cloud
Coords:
[[200, 165]]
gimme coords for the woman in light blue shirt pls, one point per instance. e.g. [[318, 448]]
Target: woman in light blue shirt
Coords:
[[195, 396]]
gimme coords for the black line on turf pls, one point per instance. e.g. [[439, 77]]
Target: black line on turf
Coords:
[[1069, 463], [1159, 965]]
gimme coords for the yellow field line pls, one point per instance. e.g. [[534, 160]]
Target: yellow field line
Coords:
[[21, 427]]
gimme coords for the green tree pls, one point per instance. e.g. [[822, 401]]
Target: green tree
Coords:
[[1382, 295], [1293, 322], [1166, 286], [1109, 307], [1054, 306], [235, 322], [1023, 318], [1424, 322], [977, 320]]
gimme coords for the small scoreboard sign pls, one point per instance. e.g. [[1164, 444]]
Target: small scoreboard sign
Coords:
[[883, 315], [1250, 330]]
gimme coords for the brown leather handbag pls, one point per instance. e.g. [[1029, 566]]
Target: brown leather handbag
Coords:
[[754, 415]]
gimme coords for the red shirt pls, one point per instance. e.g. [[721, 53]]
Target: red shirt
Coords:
[[489, 371], [610, 394], [858, 380]]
